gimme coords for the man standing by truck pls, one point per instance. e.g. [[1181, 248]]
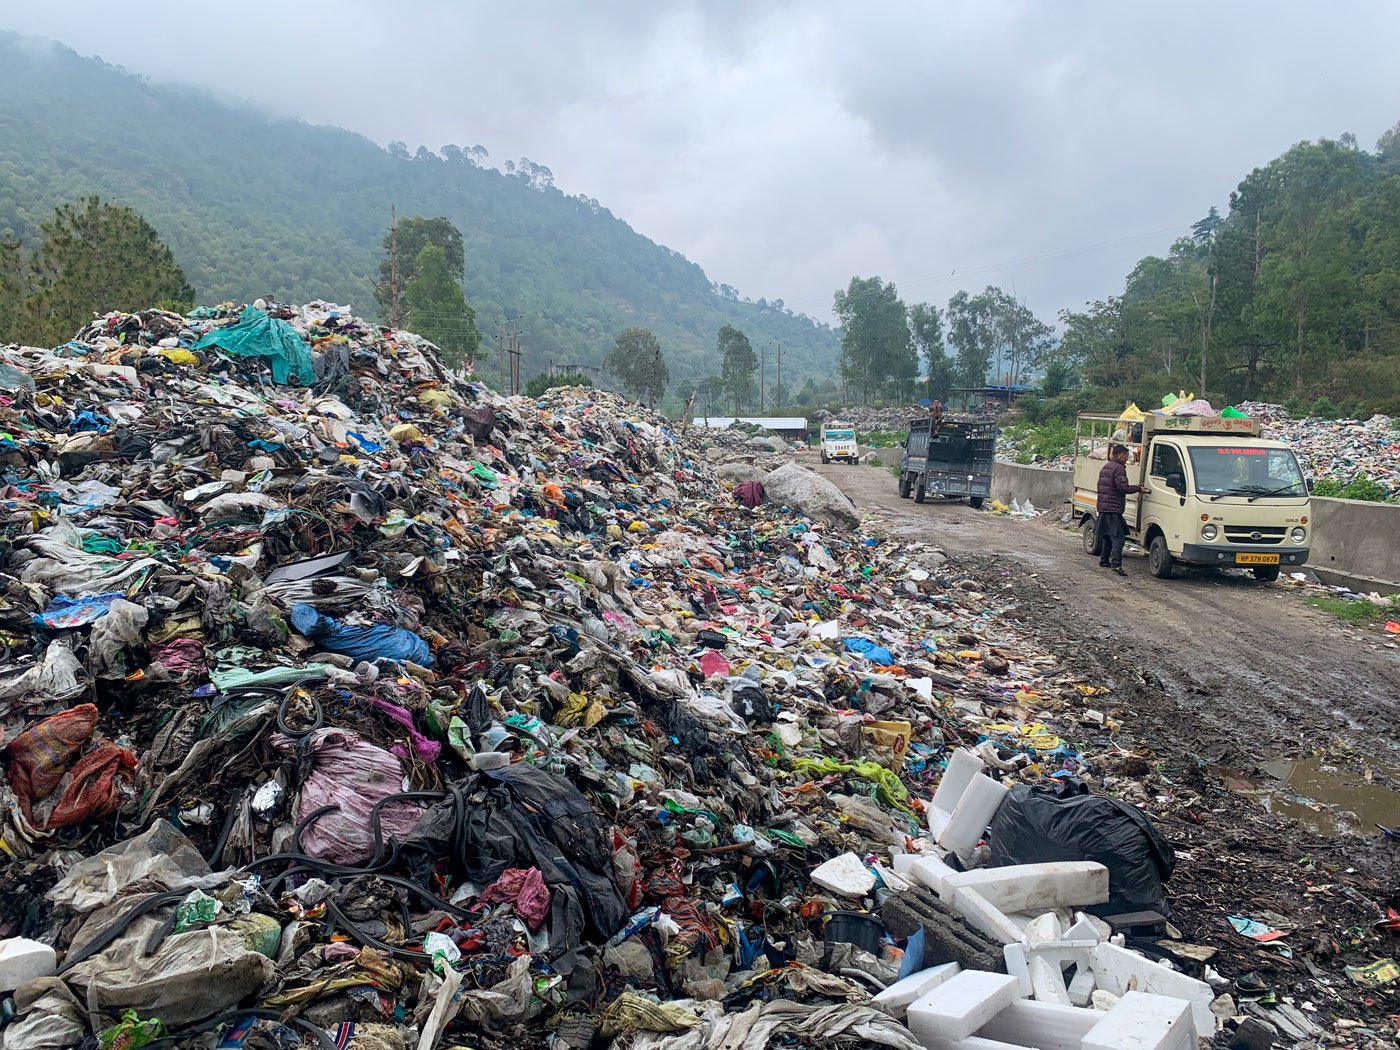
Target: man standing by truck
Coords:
[[1114, 491]]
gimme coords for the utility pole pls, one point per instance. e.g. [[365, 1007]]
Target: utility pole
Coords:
[[501, 352], [515, 356], [762, 374], [779, 387]]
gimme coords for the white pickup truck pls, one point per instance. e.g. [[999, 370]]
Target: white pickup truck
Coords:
[[1219, 494], [839, 442]]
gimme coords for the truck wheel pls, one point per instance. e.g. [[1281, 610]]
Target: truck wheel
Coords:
[[976, 502], [1159, 559], [1089, 532], [920, 492], [1265, 573], [903, 486]]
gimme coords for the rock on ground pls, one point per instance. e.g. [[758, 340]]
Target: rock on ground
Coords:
[[812, 494], [738, 473]]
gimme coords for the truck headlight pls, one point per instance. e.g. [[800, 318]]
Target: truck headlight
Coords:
[[1209, 532], [1299, 534]]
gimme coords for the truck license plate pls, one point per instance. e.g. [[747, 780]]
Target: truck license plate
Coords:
[[1256, 559]]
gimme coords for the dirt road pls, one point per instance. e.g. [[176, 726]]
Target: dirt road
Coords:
[[1235, 670]]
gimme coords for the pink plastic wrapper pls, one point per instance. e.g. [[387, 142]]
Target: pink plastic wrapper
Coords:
[[354, 775], [525, 891]]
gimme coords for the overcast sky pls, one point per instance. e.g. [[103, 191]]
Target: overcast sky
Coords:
[[786, 146]]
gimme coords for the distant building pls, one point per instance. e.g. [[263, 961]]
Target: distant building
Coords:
[[794, 428]]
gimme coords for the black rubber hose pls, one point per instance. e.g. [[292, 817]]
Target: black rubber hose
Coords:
[[341, 922], [402, 796], [216, 860], [318, 720], [107, 936], [235, 1015], [310, 818]]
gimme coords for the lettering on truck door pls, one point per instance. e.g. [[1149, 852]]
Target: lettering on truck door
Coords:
[[1166, 459]]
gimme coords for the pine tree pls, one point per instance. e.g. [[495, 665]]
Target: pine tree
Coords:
[[637, 363], [437, 309], [95, 257], [739, 365]]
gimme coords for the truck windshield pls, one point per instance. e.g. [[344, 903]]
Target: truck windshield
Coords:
[[840, 435], [1245, 470]]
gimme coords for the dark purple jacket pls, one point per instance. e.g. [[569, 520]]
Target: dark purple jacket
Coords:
[[1114, 488]]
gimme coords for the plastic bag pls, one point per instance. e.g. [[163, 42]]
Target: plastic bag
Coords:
[[1132, 413], [258, 335], [160, 858], [348, 773], [363, 643], [1034, 826]]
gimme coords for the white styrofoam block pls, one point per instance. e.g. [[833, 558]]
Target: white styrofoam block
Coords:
[[1020, 918], [963, 765], [969, 819], [1037, 888], [1043, 929], [1045, 1026], [926, 870], [961, 1005], [1140, 1021], [23, 960], [1016, 966], [846, 875], [1083, 930], [1120, 971], [1047, 980], [1102, 1000], [1103, 929], [897, 997], [1082, 987], [974, 908], [893, 880]]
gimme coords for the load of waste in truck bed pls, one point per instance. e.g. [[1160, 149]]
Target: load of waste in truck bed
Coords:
[[347, 702]]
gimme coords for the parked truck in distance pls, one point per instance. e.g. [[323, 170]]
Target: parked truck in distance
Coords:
[[839, 442], [1219, 494], [952, 459]]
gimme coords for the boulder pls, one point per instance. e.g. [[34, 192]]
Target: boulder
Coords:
[[770, 443], [811, 494], [738, 473]]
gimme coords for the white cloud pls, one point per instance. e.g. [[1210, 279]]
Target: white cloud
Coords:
[[788, 145]]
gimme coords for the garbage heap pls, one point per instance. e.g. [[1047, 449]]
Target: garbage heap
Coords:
[[347, 702], [1340, 449]]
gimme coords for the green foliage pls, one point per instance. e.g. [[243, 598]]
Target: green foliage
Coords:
[[1329, 487], [738, 365], [282, 209], [637, 363], [1059, 377], [437, 310], [92, 257], [1358, 611], [884, 438], [877, 353], [537, 385], [926, 333], [1323, 408], [993, 333], [1365, 489], [403, 242], [1048, 440]]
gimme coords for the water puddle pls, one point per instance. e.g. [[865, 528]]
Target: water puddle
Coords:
[[1325, 797]]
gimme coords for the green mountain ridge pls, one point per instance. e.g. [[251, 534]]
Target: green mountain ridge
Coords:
[[254, 205]]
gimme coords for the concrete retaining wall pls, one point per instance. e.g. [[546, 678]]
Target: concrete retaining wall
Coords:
[[1355, 544], [1047, 489]]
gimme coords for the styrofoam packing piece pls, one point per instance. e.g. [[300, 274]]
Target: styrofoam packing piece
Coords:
[[1015, 955], [895, 999], [1045, 1026], [1103, 929], [1140, 1021], [1043, 929], [1037, 888], [1047, 980], [893, 880], [961, 1005], [974, 908], [23, 960], [963, 765], [846, 875], [1081, 988], [1102, 1000], [1119, 971], [1020, 918], [1084, 930], [925, 870], [969, 819]]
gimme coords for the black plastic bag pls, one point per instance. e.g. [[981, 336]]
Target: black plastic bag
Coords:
[[1034, 826]]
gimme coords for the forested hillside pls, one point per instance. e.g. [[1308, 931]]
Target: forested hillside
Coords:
[[1292, 295], [254, 205]]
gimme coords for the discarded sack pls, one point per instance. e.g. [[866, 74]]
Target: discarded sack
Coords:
[[1035, 825]]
